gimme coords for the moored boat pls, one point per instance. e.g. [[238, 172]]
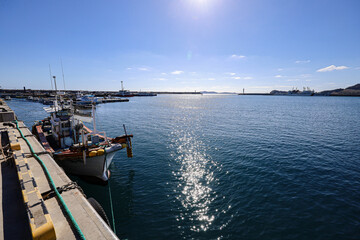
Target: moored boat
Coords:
[[125, 93], [79, 150], [86, 100], [306, 92]]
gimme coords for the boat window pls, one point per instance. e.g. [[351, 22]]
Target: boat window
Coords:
[[65, 125]]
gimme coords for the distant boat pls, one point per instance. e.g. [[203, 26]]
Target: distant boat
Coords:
[[7, 98], [86, 100], [306, 92], [47, 101], [124, 93], [294, 92]]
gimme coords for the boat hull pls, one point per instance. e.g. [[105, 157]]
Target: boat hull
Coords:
[[98, 150], [96, 166]]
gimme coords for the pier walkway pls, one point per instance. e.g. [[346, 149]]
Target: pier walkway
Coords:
[[28, 207]]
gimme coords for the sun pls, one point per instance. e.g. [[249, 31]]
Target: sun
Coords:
[[201, 1], [201, 4]]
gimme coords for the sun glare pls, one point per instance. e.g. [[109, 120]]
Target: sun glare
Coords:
[[200, 3]]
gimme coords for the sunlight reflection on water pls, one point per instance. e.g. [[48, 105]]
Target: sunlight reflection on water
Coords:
[[195, 177]]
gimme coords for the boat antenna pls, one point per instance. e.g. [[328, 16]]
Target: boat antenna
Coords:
[[62, 69], [50, 78], [54, 77], [93, 115], [56, 102]]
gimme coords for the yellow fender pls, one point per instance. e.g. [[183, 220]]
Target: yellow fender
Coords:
[[100, 152], [15, 146], [92, 153]]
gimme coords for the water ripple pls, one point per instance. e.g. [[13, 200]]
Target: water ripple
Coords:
[[232, 167], [195, 178]]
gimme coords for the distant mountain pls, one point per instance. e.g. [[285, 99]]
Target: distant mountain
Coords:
[[328, 92], [208, 92], [355, 87], [350, 91]]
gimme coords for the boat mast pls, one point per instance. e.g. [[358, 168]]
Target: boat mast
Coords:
[[62, 69], [93, 115], [50, 78], [56, 102]]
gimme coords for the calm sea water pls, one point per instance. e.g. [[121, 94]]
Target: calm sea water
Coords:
[[231, 167]]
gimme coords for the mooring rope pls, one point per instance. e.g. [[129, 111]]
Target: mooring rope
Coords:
[[111, 202]]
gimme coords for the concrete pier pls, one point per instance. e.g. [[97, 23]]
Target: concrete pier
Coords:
[[28, 209]]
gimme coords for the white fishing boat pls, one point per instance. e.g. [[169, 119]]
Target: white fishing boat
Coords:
[[74, 146]]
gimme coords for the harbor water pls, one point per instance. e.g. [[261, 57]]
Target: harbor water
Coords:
[[230, 167]]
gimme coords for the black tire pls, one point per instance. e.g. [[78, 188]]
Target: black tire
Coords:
[[99, 210]]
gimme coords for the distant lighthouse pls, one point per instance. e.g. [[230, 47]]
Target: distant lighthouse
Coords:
[[243, 91]]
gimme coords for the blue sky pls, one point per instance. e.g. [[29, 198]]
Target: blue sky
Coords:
[[213, 45]]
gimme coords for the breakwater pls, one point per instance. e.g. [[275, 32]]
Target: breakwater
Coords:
[[72, 94]]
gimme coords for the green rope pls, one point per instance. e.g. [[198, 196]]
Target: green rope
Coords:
[[111, 207], [52, 184], [111, 203]]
